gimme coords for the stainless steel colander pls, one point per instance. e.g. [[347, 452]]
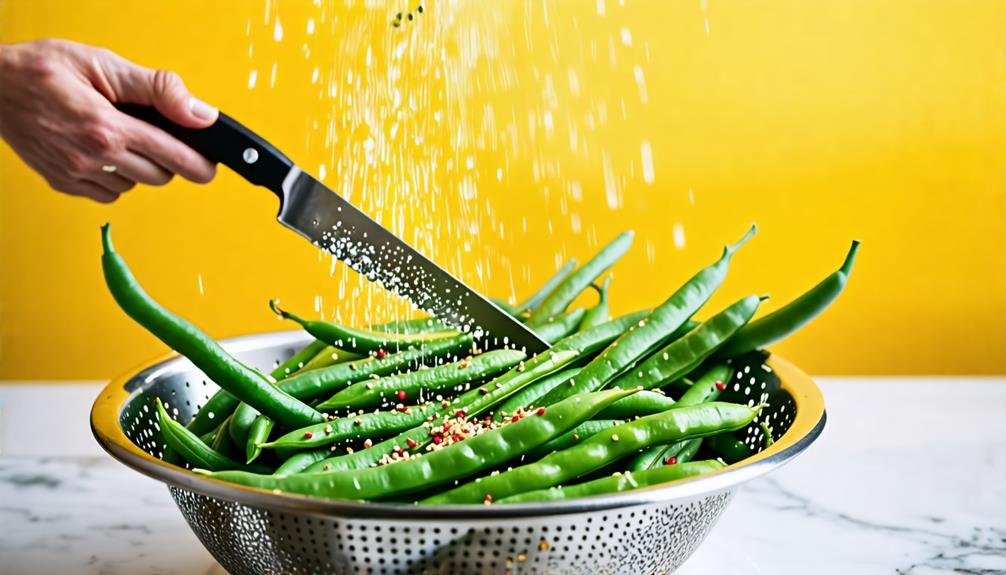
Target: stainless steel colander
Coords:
[[247, 530]]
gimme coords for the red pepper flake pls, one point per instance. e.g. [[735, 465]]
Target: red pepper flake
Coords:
[[671, 460], [397, 449], [489, 498], [308, 435], [576, 437], [380, 353], [401, 394], [483, 391], [515, 418], [720, 385], [412, 443], [541, 411], [459, 413], [367, 443], [437, 439]]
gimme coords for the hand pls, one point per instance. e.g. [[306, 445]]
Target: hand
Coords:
[[56, 111]]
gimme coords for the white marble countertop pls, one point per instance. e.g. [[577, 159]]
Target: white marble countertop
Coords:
[[909, 477]]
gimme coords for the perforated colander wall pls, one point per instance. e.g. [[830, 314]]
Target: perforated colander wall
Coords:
[[645, 539]]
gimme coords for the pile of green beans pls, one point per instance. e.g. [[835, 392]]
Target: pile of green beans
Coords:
[[412, 410]]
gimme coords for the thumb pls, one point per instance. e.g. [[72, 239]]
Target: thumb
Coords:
[[165, 91]]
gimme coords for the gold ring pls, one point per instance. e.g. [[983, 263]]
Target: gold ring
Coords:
[[109, 169]]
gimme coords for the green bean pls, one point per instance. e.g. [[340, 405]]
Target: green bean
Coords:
[[360, 339], [566, 292], [257, 435], [767, 432], [221, 442], [617, 483], [602, 449], [217, 408], [681, 356], [206, 354], [526, 396], [706, 388], [241, 422], [792, 316], [412, 326], [540, 295], [651, 332], [192, 449], [729, 448], [324, 382], [441, 466], [589, 341], [358, 426], [300, 461], [638, 405], [327, 357], [599, 313], [398, 388], [579, 433], [472, 403], [561, 326], [297, 360]]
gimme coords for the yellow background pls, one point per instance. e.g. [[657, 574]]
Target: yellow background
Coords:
[[821, 121]]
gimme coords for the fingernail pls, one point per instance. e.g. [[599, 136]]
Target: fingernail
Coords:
[[201, 109]]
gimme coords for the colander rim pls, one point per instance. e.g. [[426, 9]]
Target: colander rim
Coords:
[[807, 425]]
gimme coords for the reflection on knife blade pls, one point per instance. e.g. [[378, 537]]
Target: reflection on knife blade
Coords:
[[332, 223]]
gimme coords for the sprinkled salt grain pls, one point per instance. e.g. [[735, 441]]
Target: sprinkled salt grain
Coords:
[[646, 152], [252, 77], [678, 233]]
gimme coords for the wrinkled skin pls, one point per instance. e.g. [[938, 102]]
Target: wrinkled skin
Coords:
[[57, 112]]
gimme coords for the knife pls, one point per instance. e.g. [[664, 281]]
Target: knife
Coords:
[[316, 212]]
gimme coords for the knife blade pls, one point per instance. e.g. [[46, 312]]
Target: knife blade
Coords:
[[331, 223]]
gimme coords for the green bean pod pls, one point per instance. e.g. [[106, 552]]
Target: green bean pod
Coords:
[[205, 353], [373, 425], [300, 461], [441, 466], [579, 433], [297, 360], [681, 356], [412, 385], [412, 326], [599, 313], [324, 382], [602, 449], [192, 449], [651, 332], [560, 326], [217, 408], [327, 357], [473, 403], [360, 339], [729, 448], [638, 405], [539, 296], [221, 442], [617, 483], [527, 396], [706, 388], [784, 321], [257, 435], [570, 288]]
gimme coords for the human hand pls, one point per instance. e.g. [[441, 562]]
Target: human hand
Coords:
[[57, 112]]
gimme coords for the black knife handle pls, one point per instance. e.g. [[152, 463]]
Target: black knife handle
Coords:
[[228, 142]]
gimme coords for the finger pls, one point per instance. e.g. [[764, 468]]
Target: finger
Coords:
[[172, 155], [86, 189], [159, 88], [136, 167], [111, 182]]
